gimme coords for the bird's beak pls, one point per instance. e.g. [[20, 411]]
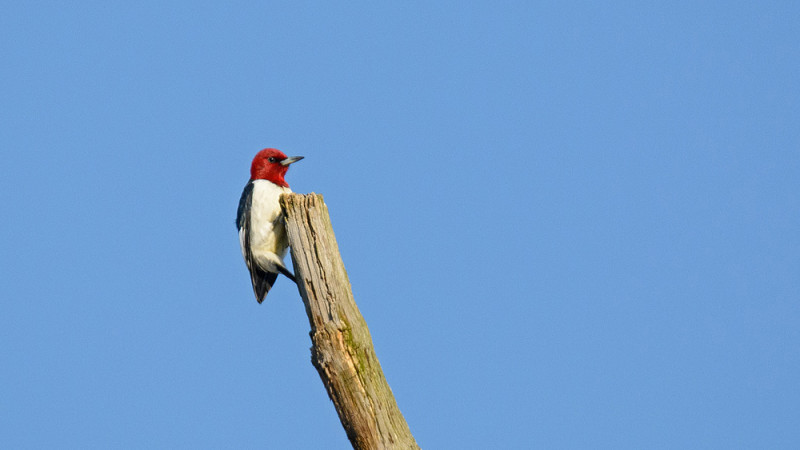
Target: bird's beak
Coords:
[[291, 159]]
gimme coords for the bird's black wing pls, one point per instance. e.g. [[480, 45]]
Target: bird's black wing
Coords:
[[262, 281], [242, 214]]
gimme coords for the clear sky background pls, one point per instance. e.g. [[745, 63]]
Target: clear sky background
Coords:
[[567, 224]]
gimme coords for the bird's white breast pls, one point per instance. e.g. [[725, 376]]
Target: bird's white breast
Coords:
[[267, 234]]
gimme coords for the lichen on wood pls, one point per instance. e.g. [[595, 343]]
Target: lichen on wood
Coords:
[[342, 350]]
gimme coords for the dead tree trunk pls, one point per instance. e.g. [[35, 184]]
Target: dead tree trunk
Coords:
[[341, 348]]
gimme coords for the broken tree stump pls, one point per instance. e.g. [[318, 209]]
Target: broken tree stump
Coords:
[[342, 350]]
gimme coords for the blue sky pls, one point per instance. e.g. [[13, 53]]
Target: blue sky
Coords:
[[567, 224]]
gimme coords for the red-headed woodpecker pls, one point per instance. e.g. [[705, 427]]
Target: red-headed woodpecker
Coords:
[[262, 233]]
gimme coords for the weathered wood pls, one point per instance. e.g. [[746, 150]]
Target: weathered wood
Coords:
[[342, 350]]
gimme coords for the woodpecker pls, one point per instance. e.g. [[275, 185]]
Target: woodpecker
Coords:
[[262, 232]]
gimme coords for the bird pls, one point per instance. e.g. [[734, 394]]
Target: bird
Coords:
[[262, 232]]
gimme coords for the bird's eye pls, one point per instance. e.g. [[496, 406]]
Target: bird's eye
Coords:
[[272, 159]]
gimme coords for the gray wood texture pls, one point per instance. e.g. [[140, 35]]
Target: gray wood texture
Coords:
[[342, 350]]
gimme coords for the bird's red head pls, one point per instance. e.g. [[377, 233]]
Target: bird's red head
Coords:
[[271, 164]]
